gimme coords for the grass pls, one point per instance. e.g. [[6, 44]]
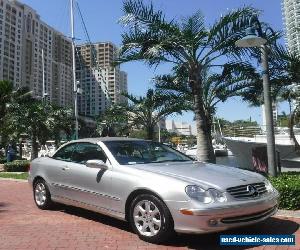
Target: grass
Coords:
[[22, 176]]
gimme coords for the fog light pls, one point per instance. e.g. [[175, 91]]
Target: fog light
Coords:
[[212, 222]]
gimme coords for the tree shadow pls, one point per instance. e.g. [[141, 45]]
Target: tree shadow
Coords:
[[202, 241]]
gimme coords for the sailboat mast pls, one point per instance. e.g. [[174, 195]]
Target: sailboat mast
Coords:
[[43, 75], [74, 68]]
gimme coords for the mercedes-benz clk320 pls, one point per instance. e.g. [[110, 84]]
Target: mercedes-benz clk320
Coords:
[[157, 189]]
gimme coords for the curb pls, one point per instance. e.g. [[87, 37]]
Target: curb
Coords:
[[288, 213]]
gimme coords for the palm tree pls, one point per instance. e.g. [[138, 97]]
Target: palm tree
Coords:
[[6, 89], [188, 45], [283, 71], [217, 87], [284, 76], [9, 95], [59, 120], [149, 110], [114, 121], [40, 121]]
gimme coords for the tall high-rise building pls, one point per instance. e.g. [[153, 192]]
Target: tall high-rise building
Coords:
[[123, 86], [101, 83], [23, 39], [291, 16]]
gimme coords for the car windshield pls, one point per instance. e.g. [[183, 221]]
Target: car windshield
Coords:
[[141, 152]]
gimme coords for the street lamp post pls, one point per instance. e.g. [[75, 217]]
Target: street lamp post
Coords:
[[159, 136], [252, 40], [75, 85]]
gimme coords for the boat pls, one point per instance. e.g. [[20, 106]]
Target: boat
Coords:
[[219, 150], [48, 149], [243, 148]]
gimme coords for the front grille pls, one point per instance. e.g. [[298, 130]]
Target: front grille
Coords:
[[250, 217], [248, 191]]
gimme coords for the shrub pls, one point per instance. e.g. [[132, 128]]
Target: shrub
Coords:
[[17, 166], [288, 185], [3, 160]]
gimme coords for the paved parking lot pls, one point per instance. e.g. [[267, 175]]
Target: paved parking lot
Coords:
[[24, 226]]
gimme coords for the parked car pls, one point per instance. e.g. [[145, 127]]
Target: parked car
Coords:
[[157, 189]]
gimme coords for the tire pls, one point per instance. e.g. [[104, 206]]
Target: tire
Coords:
[[151, 219], [41, 195]]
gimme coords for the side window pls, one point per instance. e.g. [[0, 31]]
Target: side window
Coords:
[[65, 153], [88, 151]]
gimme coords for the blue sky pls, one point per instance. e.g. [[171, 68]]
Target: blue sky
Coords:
[[101, 20]]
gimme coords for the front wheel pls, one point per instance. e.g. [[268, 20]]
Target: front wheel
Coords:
[[42, 195], [151, 219]]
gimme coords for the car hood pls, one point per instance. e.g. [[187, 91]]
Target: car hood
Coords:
[[207, 175]]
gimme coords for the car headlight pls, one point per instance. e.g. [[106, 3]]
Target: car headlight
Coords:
[[269, 186], [205, 196], [217, 195]]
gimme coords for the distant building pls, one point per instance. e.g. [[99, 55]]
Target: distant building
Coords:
[[102, 84], [180, 128], [123, 87], [296, 102], [291, 17], [23, 36]]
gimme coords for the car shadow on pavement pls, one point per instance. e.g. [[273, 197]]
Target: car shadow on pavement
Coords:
[[97, 217], [273, 225]]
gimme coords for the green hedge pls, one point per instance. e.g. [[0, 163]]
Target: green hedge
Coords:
[[3, 160], [288, 185], [17, 166]]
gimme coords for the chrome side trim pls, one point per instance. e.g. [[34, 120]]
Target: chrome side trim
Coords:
[[85, 191], [98, 209]]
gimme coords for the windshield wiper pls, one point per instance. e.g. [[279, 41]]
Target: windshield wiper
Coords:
[[169, 161]]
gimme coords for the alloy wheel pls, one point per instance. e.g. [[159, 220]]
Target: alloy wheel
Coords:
[[40, 194], [147, 218]]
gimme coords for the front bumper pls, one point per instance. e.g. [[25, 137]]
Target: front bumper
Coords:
[[222, 216]]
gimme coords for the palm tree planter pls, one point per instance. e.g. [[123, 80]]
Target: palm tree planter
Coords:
[[189, 45]]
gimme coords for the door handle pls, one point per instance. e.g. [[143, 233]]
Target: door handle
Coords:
[[65, 168]]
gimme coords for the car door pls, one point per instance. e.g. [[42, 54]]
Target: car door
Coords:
[[56, 170], [89, 186]]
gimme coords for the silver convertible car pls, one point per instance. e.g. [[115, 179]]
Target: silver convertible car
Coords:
[[156, 188]]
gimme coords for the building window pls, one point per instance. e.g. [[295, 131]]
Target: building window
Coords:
[[29, 20]]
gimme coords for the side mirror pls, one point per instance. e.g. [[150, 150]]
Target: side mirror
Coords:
[[96, 164]]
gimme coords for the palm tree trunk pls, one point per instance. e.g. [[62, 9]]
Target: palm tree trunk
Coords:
[[150, 132], [20, 150], [292, 133], [205, 151], [34, 146]]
